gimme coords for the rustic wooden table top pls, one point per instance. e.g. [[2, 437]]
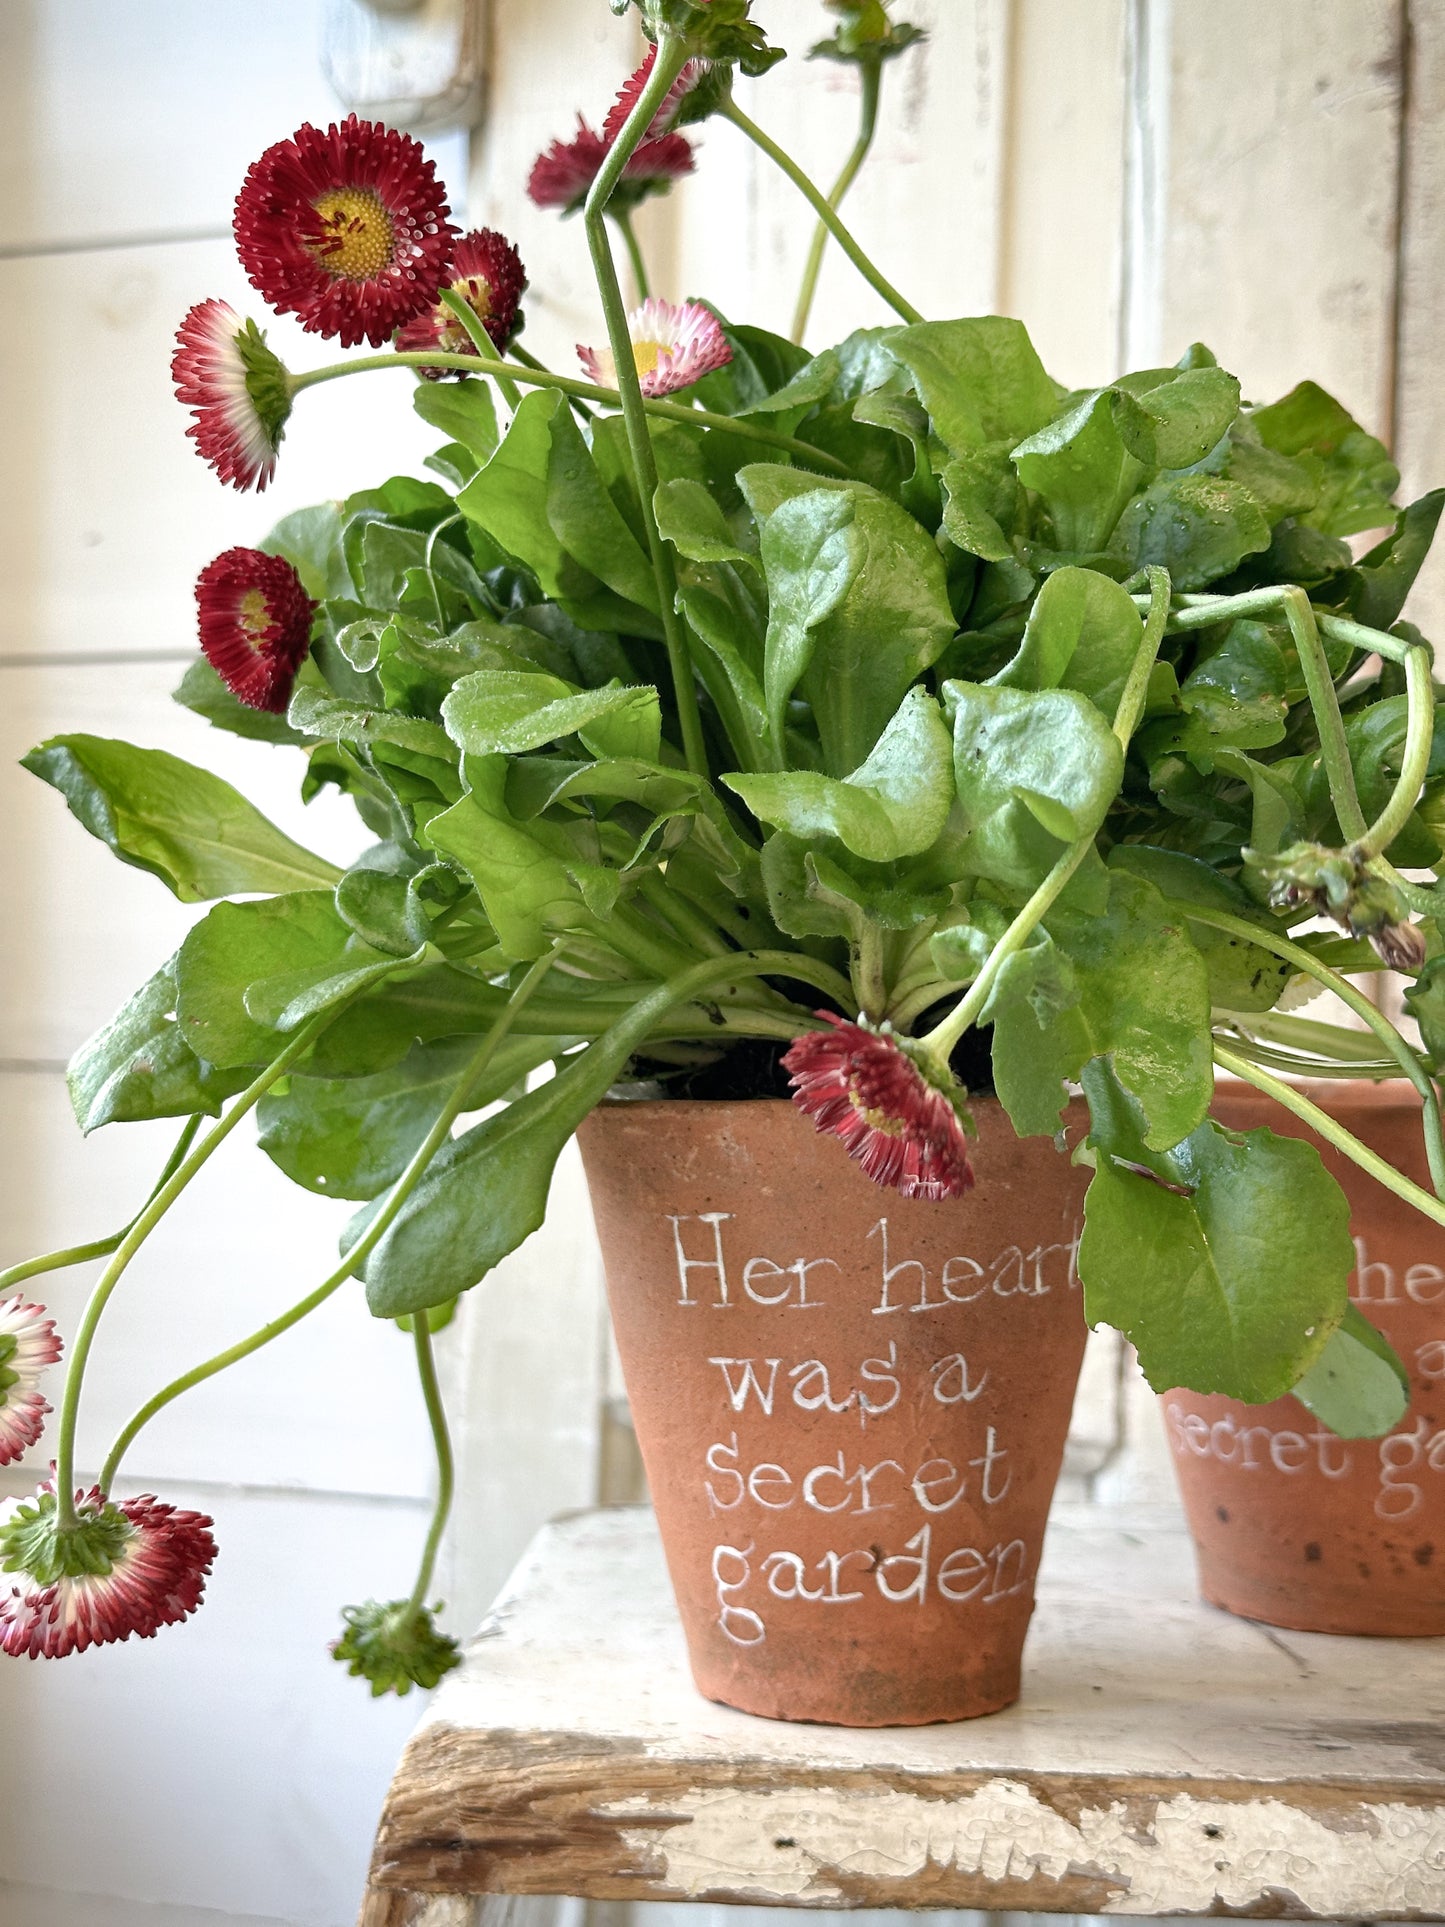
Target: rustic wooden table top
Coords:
[[1165, 1758]]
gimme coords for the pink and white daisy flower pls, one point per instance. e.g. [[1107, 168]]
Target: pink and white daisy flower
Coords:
[[563, 173], [487, 273], [238, 391], [255, 620], [674, 344], [346, 229], [866, 1088], [28, 1344], [121, 1571]]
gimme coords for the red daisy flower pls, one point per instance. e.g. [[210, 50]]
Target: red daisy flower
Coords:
[[238, 391], [865, 1087], [28, 1344], [123, 1569], [562, 175], [255, 625], [346, 229], [487, 273], [665, 119]]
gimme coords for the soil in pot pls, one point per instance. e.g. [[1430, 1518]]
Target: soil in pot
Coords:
[[1291, 1524], [852, 1407]]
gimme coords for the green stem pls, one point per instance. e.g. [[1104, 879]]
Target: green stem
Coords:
[[867, 122], [1419, 743], [1331, 1131], [1199, 611], [437, 1418], [359, 1252], [1334, 746], [689, 922], [820, 207], [1374, 641], [101, 1247], [623, 219], [940, 1042], [670, 59], [471, 325], [529, 360], [569, 385], [1303, 960], [870, 976], [165, 1196]]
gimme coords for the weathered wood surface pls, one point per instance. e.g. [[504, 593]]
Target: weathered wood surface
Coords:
[[1165, 1758]]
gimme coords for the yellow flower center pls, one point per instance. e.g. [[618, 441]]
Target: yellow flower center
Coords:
[[646, 355], [254, 616], [477, 293], [357, 239]]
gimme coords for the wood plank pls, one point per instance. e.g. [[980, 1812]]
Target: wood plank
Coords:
[[572, 1754], [1420, 374], [1280, 140]]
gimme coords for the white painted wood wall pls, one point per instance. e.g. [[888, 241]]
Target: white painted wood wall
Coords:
[[1127, 175]]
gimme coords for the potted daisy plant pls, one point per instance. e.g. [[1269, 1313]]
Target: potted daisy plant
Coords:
[[806, 772]]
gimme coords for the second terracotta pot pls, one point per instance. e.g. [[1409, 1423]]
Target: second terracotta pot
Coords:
[[1291, 1524], [852, 1409]]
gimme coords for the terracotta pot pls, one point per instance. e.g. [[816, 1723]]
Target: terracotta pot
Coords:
[[852, 1408], [1291, 1524]]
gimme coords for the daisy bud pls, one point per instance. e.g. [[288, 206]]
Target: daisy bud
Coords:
[[255, 620], [121, 1570], [238, 391], [867, 1088], [673, 345], [347, 230], [27, 1345], [487, 273], [395, 1645]]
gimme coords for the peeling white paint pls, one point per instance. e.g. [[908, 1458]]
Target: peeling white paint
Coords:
[[1193, 1853]]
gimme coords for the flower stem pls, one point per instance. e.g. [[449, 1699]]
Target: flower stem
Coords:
[[668, 64], [365, 1244], [940, 1042], [623, 218], [529, 360], [161, 1202], [437, 1418], [1331, 1131], [569, 385], [101, 1247], [867, 122], [820, 206], [1295, 954], [1334, 746], [1414, 764]]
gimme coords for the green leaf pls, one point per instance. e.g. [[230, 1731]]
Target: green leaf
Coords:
[[1357, 1386], [893, 805], [1143, 1007], [979, 379], [1226, 1264], [506, 712], [1425, 1001], [202, 692], [858, 605], [1083, 632], [1087, 464], [351, 1137], [690, 518], [1048, 749], [310, 540], [588, 522], [189, 828], [487, 1190], [462, 410], [317, 713], [238, 944], [139, 1066], [1382, 579], [981, 502], [1190, 411], [1355, 476], [1242, 976], [1196, 526]]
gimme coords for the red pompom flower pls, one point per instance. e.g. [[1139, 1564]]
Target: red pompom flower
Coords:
[[255, 625], [562, 175], [866, 1088], [347, 230], [238, 391], [28, 1344], [673, 345], [666, 117], [487, 273], [121, 1570]]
